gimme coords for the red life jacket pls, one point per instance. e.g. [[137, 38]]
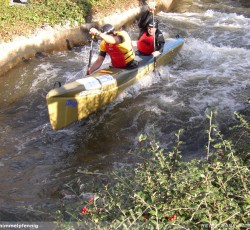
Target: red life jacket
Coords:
[[116, 55], [146, 44]]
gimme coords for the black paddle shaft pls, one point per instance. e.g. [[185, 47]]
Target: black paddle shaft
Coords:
[[90, 52]]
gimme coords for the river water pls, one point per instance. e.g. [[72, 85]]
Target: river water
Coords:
[[211, 71]]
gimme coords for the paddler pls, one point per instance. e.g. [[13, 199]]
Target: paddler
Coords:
[[117, 44], [151, 40]]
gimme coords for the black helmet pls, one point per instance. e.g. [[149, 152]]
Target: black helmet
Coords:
[[153, 23], [108, 29]]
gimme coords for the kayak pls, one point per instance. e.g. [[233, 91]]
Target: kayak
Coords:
[[76, 100]]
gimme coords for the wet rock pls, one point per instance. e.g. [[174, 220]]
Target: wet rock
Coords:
[[41, 55], [25, 59]]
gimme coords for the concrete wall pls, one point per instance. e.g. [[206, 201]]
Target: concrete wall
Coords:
[[61, 38]]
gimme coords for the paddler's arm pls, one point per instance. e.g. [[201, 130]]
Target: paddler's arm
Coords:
[[96, 65], [146, 16], [106, 37]]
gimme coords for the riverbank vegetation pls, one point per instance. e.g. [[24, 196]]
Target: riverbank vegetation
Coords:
[[165, 192], [24, 19]]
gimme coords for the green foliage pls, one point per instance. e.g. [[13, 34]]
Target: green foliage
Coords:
[[52, 12], [165, 192], [24, 19], [40, 13]]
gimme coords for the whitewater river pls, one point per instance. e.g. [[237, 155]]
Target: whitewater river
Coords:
[[212, 70]]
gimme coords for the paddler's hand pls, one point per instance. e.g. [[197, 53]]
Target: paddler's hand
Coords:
[[94, 31], [88, 72], [156, 53], [151, 6]]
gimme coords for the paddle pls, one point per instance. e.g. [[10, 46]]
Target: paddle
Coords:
[[152, 6], [154, 40], [90, 53]]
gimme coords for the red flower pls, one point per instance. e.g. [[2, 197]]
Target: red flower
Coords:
[[91, 200], [84, 210], [171, 218]]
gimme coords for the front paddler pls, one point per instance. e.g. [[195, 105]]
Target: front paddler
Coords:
[[117, 44]]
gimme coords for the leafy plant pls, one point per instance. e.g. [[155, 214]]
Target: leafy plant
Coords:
[[165, 192], [15, 19]]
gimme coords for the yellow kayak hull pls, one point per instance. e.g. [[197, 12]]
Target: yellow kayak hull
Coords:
[[76, 100]]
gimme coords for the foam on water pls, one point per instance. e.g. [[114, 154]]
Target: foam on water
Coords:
[[44, 72], [135, 89], [214, 74], [216, 27]]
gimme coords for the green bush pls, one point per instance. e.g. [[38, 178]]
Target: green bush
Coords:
[[165, 192], [52, 12], [23, 19], [20, 19]]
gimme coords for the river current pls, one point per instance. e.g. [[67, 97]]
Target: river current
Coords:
[[211, 71]]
